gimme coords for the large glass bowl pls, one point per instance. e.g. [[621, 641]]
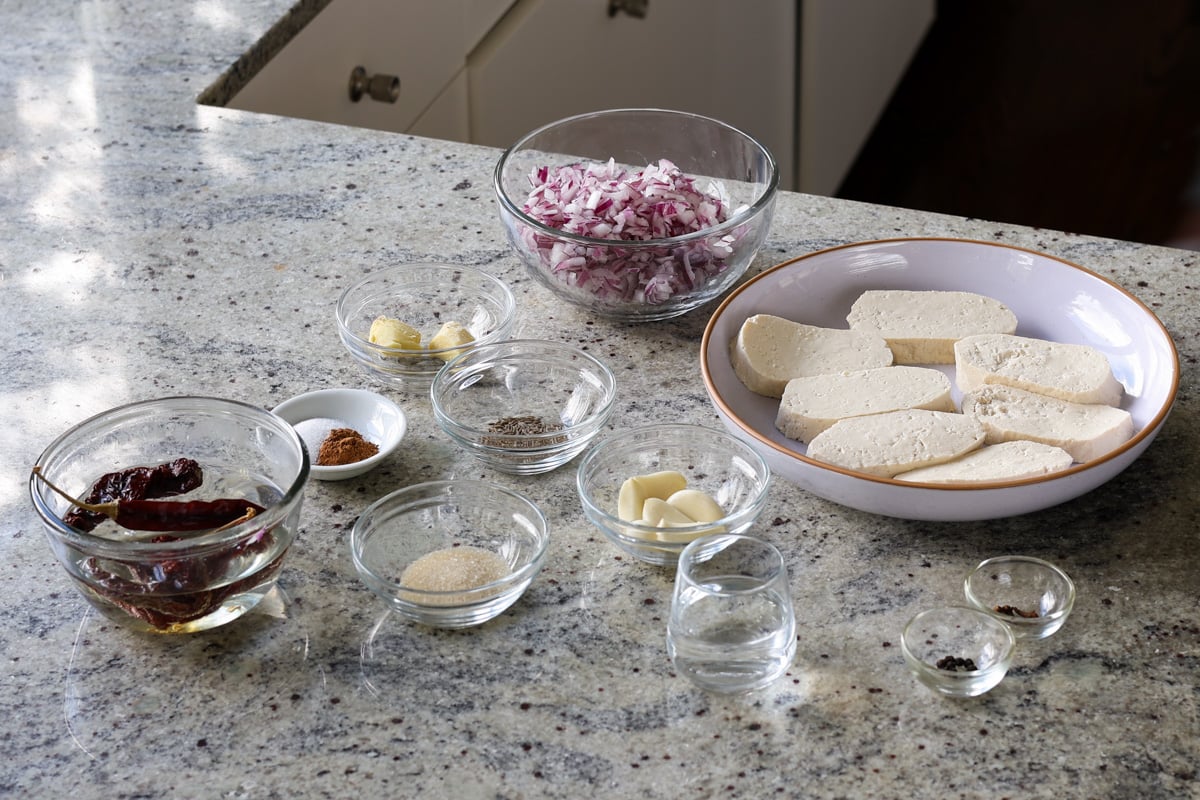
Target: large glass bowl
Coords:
[[651, 279], [174, 581]]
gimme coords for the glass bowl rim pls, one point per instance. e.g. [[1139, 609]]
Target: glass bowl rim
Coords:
[[613, 524], [203, 543], [359, 536], [459, 368], [1022, 622], [764, 199], [509, 304], [1008, 643]]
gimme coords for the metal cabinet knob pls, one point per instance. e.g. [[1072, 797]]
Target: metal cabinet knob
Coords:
[[384, 88], [634, 8]]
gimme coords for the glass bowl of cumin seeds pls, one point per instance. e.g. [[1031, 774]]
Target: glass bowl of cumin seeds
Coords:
[[523, 406]]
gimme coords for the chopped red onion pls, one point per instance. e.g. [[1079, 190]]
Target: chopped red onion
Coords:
[[603, 201]]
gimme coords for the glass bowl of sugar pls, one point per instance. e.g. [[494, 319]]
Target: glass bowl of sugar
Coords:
[[450, 553]]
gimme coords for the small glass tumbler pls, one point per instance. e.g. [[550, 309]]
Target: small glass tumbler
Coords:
[[732, 627]]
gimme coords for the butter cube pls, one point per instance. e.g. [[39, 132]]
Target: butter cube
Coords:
[[452, 334], [394, 334]]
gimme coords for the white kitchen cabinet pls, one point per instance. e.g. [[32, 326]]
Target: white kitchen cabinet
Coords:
[[806, 77], [548, 59], [422, 42]]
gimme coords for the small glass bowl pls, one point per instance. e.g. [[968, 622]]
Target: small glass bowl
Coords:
[[1033, 597], [409, 523], [177, 581], [711, 460], [424, 296], [941, 635], [645, 280], [523, 406]]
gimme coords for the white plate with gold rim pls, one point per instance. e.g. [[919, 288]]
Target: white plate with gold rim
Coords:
[[1053, 299]]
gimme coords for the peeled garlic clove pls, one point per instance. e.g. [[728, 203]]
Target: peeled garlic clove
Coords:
[[452, 334], [661, 484], [698, 505], [661, 514], [630, 500], [635, 491]]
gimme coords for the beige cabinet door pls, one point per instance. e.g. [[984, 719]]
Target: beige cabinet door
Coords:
[[424, 43]]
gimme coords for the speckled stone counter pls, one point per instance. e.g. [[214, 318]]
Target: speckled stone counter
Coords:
[[151, 246]]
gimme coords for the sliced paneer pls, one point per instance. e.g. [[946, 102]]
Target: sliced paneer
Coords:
[[897, 441], [1074, 372], [921, 327], [769, 351], [1007, 461], [812, 404], [1085, 430]]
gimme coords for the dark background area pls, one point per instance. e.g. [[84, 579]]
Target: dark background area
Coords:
[[1077, 115]]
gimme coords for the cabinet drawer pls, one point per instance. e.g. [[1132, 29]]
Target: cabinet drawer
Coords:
[[422, 42]]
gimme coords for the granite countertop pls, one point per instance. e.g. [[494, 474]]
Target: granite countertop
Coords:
[[152, 246]]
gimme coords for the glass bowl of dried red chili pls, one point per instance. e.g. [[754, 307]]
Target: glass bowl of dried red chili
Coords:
[[403, 323], [523, 406], [1033, 597], [173, 515], [957, 651], [450, 554]]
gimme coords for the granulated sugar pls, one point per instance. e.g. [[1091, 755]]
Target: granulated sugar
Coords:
[[454, 569]]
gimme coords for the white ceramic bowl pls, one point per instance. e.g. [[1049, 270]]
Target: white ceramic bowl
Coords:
[[1053, 299], [377, 418]]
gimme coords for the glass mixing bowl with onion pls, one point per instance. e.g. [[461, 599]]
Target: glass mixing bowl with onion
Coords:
[[637, 214]]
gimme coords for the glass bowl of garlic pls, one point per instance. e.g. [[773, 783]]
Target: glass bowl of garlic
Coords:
[[651, 490]]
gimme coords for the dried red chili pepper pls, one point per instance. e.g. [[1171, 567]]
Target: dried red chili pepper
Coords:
[[167, 515], [177, 515], [137, 483], [171, 593]]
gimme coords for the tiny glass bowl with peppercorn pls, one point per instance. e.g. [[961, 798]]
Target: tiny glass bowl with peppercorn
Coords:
[[637, 214], [450, 554], [651, 490], [403, 323], [1033, 597], [173, 515], [347, 431], [957, 651], [523, 406]]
